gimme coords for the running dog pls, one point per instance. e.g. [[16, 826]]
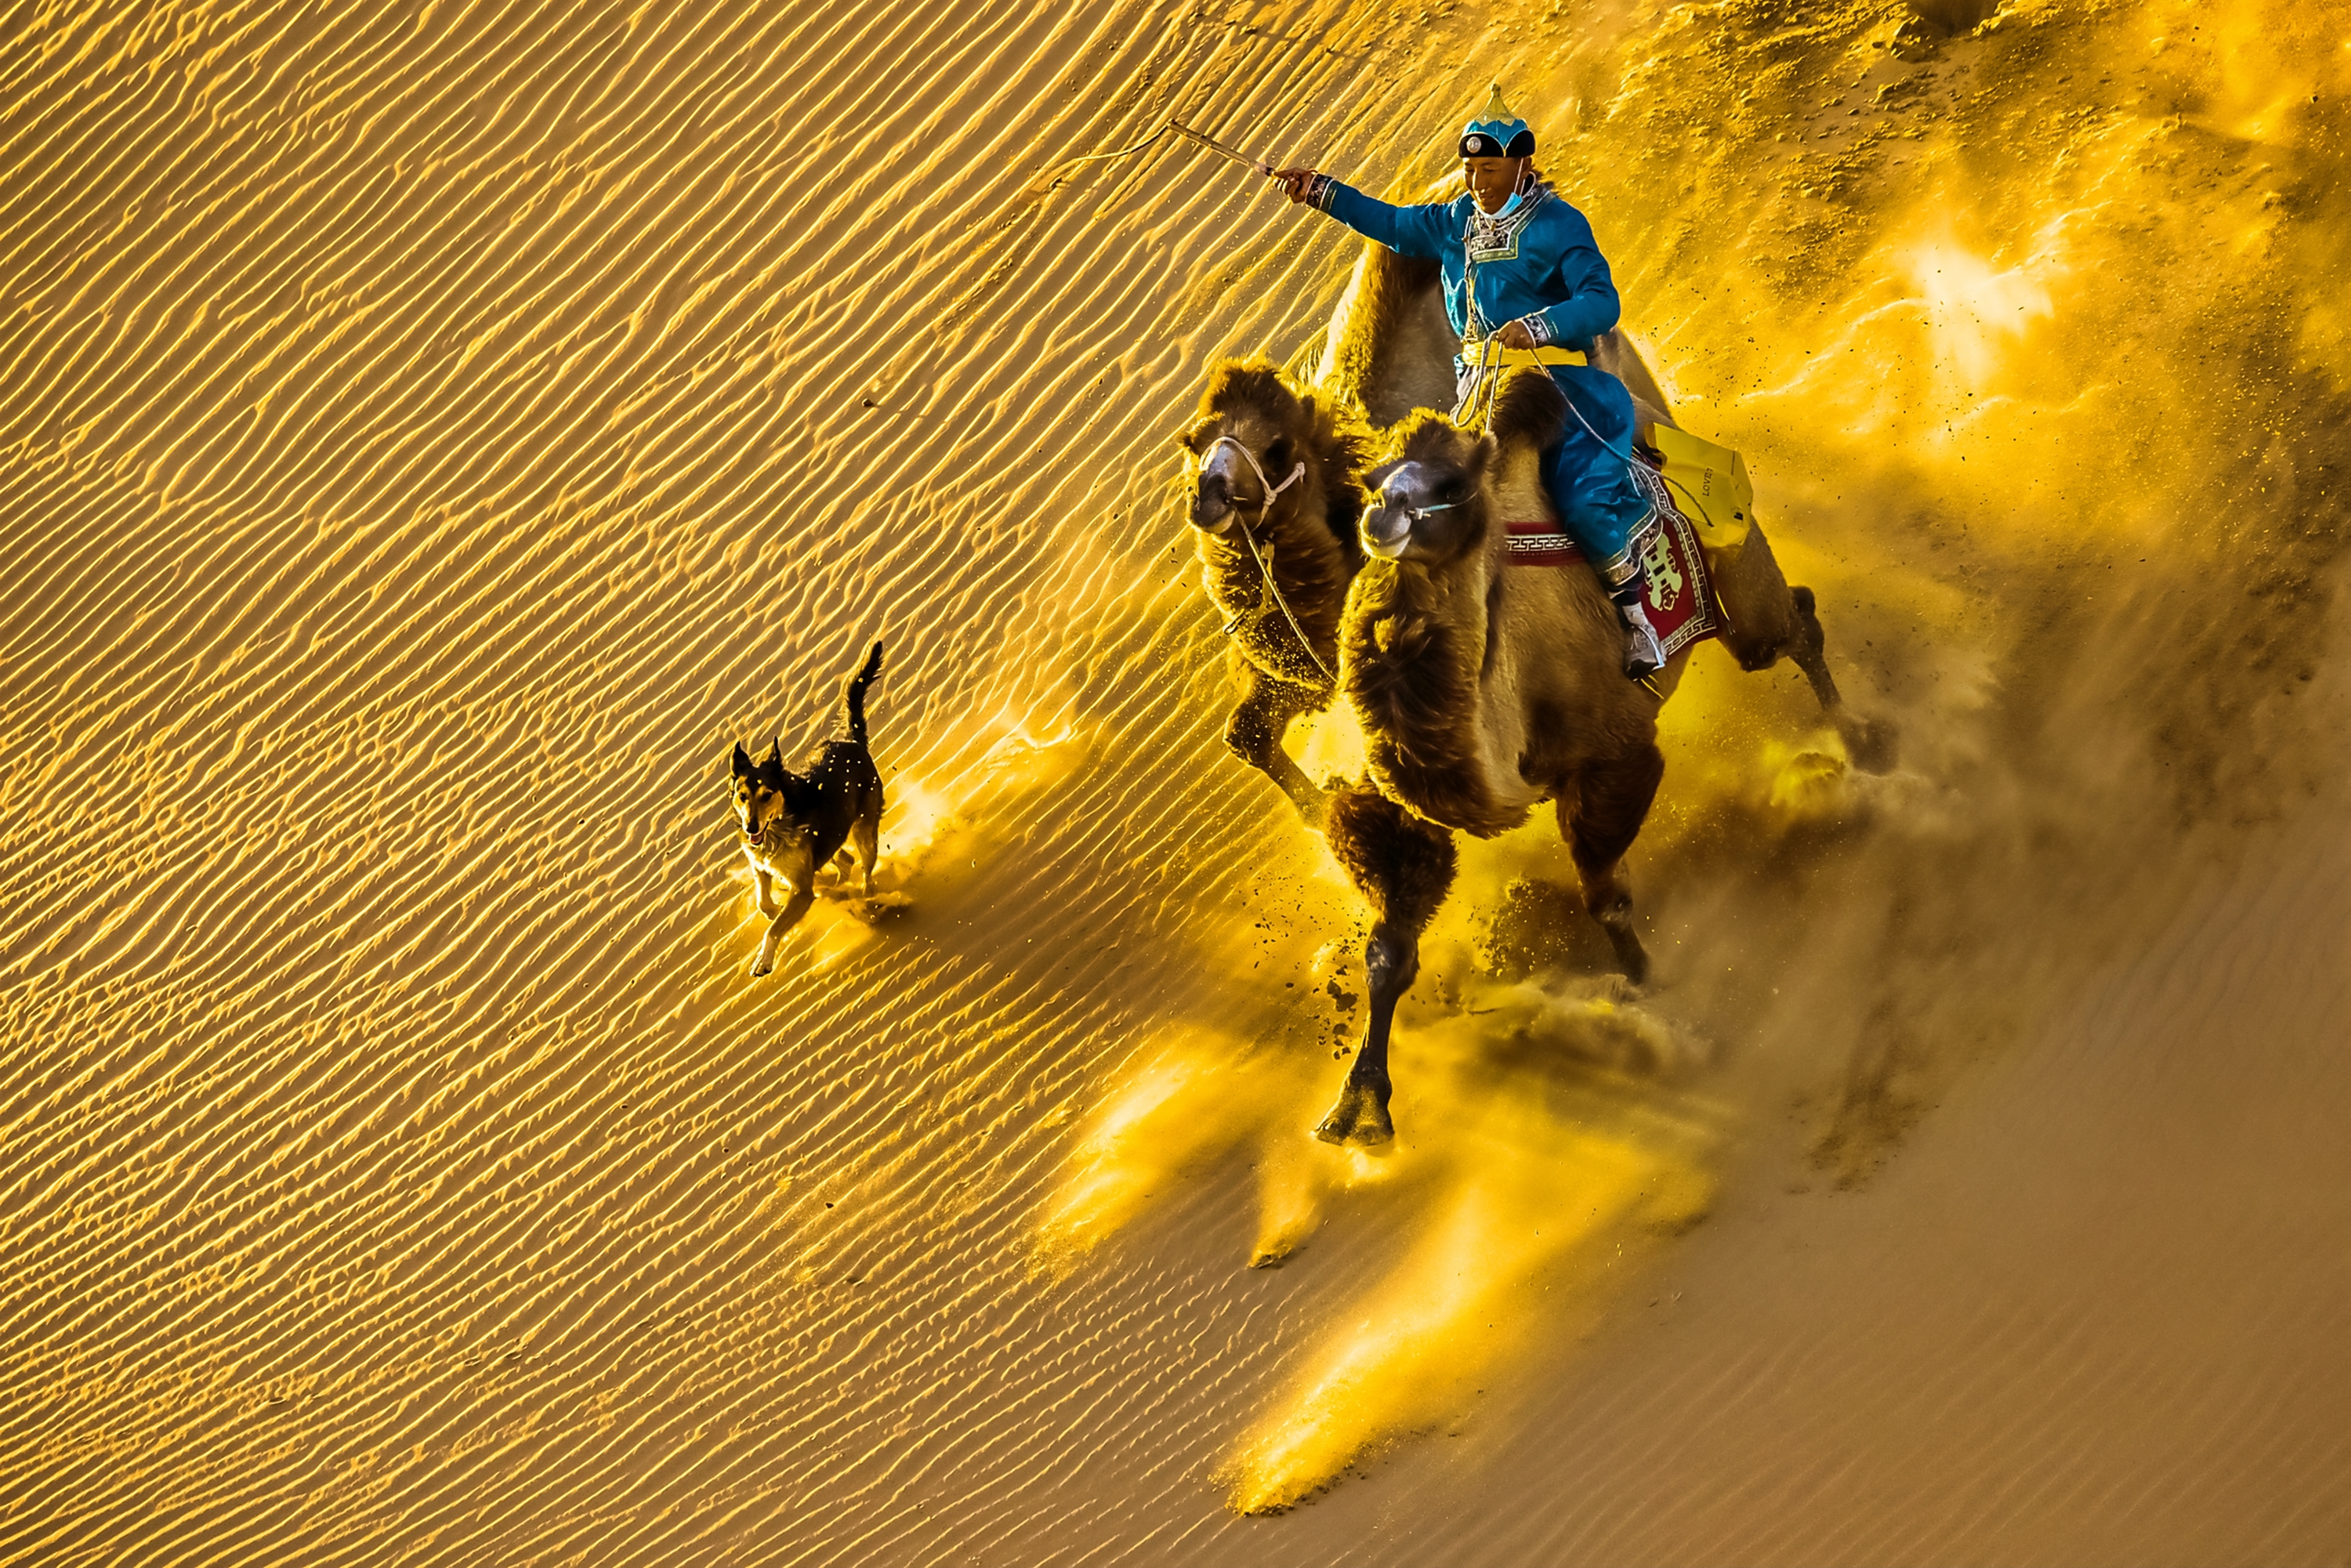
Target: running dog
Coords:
[[792, 824]]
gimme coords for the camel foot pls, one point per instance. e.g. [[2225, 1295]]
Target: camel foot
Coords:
[[1361, 1118], [1870, 742], [1631, 957]]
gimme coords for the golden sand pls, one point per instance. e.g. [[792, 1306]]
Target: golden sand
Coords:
[[433, 434]]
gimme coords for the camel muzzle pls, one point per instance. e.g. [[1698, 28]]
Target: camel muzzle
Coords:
[[1212, 505], [1387, 531], [1216, 500]]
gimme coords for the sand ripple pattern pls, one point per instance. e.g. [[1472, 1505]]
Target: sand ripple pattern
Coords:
[[430, 434]]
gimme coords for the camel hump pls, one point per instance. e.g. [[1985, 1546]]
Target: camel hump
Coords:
[[1255, 384], [1388, 349], [1615, 352], [1528, 407], [853, 695]]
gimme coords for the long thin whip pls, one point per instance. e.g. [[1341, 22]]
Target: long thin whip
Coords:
[[1219, 148], [1052, 174], [1097, 157]]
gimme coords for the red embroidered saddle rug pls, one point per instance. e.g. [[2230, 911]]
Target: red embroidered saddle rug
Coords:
[[1674, 590]]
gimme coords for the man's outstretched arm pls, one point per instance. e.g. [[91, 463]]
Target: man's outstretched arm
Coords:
[[1410, 231]]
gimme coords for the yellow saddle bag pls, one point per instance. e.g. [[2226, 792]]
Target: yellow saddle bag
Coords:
[[1709, 484]]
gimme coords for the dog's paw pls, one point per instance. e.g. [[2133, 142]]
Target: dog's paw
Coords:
[[875, 908], [762, 967]]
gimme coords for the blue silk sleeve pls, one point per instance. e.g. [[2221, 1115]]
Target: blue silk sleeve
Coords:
[[1419, 231]]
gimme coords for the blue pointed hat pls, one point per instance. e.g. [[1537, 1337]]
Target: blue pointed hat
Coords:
[[1495, 132]]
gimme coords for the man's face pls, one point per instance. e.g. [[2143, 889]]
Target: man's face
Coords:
[[1491, 180]]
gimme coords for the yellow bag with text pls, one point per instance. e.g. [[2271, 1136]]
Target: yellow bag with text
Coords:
[[1709, 484]]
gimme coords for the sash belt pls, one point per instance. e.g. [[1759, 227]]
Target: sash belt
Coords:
[[1484, 351]]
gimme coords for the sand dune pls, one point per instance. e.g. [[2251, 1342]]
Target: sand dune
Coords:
[[433, 435]]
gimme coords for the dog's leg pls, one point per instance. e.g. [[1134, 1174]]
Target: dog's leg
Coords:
[[768, 905], [788, 917], [864, 835], [798, 873]]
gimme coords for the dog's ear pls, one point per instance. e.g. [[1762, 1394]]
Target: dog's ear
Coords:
[[775, 751], [743, 768]]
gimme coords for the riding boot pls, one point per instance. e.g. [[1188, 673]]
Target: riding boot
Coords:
[[1645, 651]]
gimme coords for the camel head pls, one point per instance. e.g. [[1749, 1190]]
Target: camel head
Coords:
[[1428, 502], [1248, 405]]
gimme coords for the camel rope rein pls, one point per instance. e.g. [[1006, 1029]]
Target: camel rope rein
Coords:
[[1264, 568]]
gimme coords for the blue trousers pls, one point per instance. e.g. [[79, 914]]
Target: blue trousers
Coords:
[[1585, 475]]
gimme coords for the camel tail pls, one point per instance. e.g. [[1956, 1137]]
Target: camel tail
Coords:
[[853, 695]]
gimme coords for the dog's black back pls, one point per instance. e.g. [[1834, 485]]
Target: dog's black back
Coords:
[[842, 786]]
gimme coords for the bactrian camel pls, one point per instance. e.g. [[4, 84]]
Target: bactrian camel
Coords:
[[1389, 354], [1277, 489], [1483, 690]]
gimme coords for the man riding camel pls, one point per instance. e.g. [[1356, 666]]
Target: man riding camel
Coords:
[[1525, 283]]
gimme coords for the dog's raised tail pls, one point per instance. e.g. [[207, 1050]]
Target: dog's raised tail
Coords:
[[853, 695]]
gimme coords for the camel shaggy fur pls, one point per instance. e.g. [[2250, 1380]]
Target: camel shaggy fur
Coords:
[[1254, 429], [1484, 690]]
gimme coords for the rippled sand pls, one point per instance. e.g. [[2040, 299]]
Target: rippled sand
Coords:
[[433, 434]]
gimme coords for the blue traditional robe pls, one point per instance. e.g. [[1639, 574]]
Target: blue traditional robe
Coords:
[[1547, 271]]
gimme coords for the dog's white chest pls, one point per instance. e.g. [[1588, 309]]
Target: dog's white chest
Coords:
[[783, 852]]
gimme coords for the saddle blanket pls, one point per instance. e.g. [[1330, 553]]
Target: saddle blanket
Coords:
[[1675, 589]]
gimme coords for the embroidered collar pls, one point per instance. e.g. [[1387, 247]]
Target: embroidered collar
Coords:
[[1497, 238]]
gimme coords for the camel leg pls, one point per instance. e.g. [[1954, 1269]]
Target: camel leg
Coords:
[[1254, 733], [1391, 961], [1869, 741], [1810, 650], [1769, 618], [1600, 819], [1404, 866]]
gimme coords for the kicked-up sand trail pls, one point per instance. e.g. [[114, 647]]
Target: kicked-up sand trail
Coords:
[[432, 435]]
